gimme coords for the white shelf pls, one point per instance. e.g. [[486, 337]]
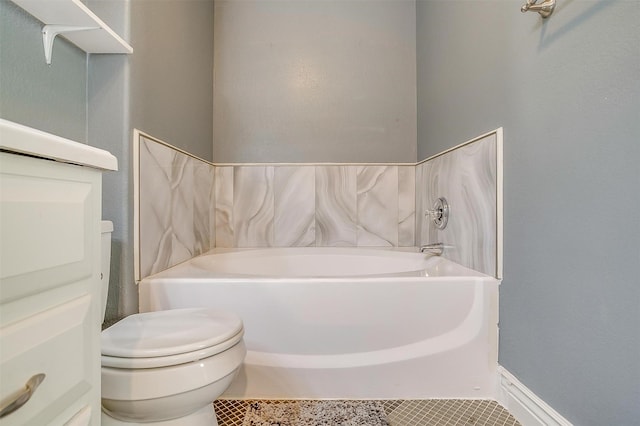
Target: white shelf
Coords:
[[73, 13]]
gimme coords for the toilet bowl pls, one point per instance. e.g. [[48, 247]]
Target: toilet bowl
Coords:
[[167, 367]]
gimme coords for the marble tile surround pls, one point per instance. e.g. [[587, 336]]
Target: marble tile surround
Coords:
[[467, 178], [175, 206], [188, 206], [314, 205]]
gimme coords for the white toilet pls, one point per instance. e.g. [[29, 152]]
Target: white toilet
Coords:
[[166, 367]]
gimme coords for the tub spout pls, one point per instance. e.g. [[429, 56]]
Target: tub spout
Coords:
[[436, 249]]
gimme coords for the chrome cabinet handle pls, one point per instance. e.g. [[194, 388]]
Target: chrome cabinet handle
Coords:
[[20, 398]]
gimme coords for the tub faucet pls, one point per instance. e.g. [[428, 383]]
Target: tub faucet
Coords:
[[436, 249]]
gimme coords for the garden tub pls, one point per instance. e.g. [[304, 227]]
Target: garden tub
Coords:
[[345, 322]]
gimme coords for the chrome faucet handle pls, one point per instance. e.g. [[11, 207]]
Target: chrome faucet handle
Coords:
[[439, 214]]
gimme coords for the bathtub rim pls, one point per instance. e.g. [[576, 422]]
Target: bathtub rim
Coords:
[[187, 270]]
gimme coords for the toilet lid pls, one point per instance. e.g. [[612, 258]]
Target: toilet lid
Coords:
[[165, 333]]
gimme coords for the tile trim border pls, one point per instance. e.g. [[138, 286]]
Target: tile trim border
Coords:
[[136, 203], [528, 408], [497, 131], [499, 200]]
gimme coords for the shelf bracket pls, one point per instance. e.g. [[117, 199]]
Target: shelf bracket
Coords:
[[49, 33]]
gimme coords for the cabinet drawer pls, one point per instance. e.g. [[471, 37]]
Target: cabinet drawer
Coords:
[[54, 342], [47, 223]]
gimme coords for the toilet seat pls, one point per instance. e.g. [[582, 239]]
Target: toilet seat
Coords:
[[138, 384], [166, 338]]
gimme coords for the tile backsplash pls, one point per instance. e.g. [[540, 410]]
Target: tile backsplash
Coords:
[[187, 206], [174, 207], [467, 178], [312, 205], [294, 206]]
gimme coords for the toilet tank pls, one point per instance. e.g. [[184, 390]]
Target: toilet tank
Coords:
[[106, 228]]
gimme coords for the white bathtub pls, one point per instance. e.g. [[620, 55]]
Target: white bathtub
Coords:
[[345, 322]]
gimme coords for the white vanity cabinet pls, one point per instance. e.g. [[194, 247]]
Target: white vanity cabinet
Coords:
[[50, 306]]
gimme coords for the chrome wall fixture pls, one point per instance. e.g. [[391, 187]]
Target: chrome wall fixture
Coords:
[[545, 9], [439, 215], [435, 249]]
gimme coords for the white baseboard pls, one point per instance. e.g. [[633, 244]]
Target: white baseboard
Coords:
[[523, 404]]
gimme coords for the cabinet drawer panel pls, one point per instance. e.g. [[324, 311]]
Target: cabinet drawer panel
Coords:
[[53, 342], [46, 226]]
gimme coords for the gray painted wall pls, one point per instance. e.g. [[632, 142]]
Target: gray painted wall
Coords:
[[315, 81], [52, 97], [109, 129], [109, 118], [172, 72], [567, 91], [166, 89]]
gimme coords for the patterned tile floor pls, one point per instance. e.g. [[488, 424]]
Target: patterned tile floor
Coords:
[[431, 412]]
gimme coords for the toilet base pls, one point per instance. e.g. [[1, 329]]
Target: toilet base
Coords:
[[205, 416]]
